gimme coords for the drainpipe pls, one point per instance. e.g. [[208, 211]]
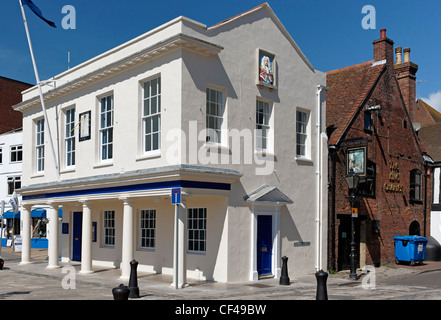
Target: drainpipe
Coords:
[[318, 219]]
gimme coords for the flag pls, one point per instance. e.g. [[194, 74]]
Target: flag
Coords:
[[37, 11], [14, 203]]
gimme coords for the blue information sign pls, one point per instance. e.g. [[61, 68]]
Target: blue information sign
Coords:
[[176, 196]]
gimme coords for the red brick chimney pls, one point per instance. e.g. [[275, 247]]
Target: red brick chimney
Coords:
[[405, 72], [383, 49]]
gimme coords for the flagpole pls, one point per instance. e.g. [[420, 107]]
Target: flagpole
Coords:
[[40, 92]]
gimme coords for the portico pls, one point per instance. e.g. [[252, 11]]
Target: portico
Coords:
[[112, 219]]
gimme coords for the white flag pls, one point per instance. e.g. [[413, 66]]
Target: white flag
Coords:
[[14, 203]]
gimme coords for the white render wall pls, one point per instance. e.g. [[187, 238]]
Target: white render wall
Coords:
[[435, 218], [185, 75]]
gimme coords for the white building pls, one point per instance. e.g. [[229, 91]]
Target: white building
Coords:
[[11, 158], [11, 155], [190, 107]]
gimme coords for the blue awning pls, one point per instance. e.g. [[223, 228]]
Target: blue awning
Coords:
[[11, 215], [36, 213]]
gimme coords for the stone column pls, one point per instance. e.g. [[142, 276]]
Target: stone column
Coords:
[[127, 241], [26, 235], [53, 237], [179, 252], [86, 240]]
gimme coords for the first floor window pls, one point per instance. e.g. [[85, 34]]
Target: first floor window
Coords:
[[109, 228], [106, 128], [148, 228], [197, 229], [263, 115], [151, 118], [14, 183], [39, 145], [69, 139], [16, 154], [215, 115], [415, 185], [302, 133]]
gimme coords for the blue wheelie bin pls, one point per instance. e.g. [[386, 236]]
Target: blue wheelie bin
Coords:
[[410, 249]]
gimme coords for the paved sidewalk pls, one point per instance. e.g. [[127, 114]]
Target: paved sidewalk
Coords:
[[36, 282]]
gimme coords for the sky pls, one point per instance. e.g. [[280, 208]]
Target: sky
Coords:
[[331, 34]]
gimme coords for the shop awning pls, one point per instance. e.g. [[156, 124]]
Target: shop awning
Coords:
[[36, 213]]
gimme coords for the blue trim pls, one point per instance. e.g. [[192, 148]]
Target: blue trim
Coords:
[[37, 213], [36, 243], [135, 187], [11, 215]]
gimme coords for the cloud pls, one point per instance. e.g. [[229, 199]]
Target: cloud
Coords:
[[434, 100]]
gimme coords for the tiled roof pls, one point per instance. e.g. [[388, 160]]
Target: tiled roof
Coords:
[[426, 114], [349, 88], [430, 138]]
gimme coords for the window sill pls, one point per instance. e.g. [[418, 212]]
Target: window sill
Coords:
[[68, 170], [37, 175], [103, 165], [304, 159], [149, 155], [264, 154], [199, 253], [146, 249], [216, 147]]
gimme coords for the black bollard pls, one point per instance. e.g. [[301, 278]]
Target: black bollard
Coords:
[[2, 262], [322, 293], [121, 293], [133, 281], [284, 279]]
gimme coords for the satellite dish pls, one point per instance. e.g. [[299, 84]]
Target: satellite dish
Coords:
[[416, 126]]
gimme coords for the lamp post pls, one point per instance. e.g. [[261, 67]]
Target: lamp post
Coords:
[[352, 180]]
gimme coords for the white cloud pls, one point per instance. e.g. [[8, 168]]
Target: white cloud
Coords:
[[434, 100]]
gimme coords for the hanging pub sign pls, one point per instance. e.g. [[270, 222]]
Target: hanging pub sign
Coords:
[[356, 161], [267, 69]]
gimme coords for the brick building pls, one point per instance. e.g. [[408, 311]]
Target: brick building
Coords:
[[10, 94], [370, 131]]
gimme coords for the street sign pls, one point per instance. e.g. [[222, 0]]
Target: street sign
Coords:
[[354, 212], [176, 196]]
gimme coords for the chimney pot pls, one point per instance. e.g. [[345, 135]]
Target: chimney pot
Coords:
[[406, 54], [383, 33], [398, 51]]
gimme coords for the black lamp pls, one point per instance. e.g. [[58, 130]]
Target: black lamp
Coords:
[[352, 179]]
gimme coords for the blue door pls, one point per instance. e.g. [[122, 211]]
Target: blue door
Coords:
[[76, 235], [264, 245]]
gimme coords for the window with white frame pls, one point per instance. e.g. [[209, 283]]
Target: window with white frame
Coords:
[[197, 230], [109, 228], [16, 154], [302, 123], [14, 183], [106, 128], [263, 125], [151, 116], [214, 115], [69, 138], [39, 145], [147, 229]]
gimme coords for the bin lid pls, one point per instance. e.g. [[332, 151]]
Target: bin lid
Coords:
[[411, 238]]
